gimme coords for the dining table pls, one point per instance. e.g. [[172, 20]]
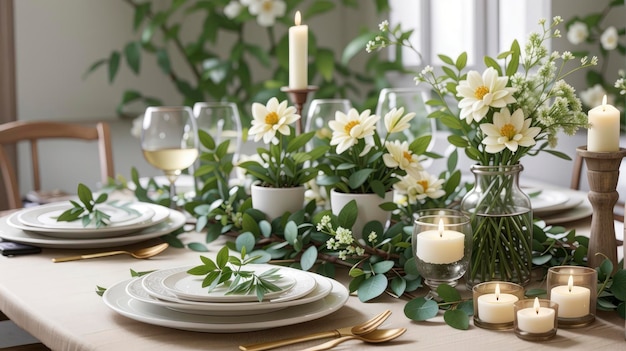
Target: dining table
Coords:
[[59, 305]]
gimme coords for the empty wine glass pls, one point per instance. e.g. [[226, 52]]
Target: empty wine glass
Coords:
[[169, 141], [320, 112], [413, 100], [220, 120]]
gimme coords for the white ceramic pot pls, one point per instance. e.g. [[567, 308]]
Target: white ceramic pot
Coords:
[[274, 202], [368, 206]]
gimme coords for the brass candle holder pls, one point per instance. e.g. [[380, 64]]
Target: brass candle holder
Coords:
[[602, 175], [298, 98]]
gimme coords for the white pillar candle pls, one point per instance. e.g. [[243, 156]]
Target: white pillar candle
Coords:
[[573, 300], [536, 319], [604, 126], [440, 246], [298, 54], [496, 307]]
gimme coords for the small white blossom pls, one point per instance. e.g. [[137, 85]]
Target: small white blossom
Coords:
[[233, 9], [592, 97], [372, 237], [609, 38], [577, 33], [383, 26]]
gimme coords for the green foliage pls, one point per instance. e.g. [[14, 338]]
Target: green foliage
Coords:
[[87, 211], [227, 270]]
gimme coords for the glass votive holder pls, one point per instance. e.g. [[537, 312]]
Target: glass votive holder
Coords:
[[442, 244], [574, 289], [535, 320], [493, 304]]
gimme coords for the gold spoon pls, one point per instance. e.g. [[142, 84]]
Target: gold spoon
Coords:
[[376, 336], [358, 329], [141, 253]]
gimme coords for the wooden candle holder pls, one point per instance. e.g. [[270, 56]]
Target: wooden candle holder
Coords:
[[298, 98], [602, 175]]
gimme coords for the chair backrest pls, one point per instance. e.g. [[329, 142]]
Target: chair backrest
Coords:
[[32, 131]]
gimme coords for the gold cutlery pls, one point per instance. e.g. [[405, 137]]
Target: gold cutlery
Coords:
[[146, 252], [376, 336], [359, 329]]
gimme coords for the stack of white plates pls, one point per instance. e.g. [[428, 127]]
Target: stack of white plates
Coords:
[[559, 206], [129, 223], [172, 298]]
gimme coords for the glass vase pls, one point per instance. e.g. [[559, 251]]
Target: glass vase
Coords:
[[502, 227]]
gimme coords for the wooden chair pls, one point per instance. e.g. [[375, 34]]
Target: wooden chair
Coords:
[[32, 131]]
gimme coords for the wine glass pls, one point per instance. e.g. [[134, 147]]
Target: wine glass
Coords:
[[320, 112], [169, 141], [221, 120], [413, 100]]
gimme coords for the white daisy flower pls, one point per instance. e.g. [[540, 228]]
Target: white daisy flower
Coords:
[[480, 93], [508, 131], [272, 118], [609, 38], [267, 11], [396, 121], [420, 187], [233, 9], [349, 128], [400, 156], [577, 33]]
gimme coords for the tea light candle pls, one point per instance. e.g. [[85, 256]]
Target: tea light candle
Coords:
[[440, 246], [536, 319], [573, 300], [496, 307], [298, 54], [604, 126]]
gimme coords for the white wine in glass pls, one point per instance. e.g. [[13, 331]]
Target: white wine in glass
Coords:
[[169, 140]]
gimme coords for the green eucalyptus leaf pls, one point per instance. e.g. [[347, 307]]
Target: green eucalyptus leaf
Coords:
[[382, 267], [448, 293], [309, 257], [456, 319], [421, 309], [245, 241], [618, 287], [197, 247], [372, 287]]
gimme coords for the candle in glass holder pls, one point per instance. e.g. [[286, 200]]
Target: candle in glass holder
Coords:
[[298, 54], [536, 319], [604, 127], [573, 300], [497, 307], [574, 289], [440, 246]]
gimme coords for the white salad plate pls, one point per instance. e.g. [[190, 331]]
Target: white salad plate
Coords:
[[189, 287], [160, 214], [173, 221], [546, 199], [153, 284], [121, 302], [136, 290], [45, 216], [576, 207]]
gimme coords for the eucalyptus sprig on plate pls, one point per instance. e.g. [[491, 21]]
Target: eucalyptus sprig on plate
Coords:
[[87, 211], [227, 270]]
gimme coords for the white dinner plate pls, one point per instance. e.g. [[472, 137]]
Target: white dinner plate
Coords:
[[576, 207], [546, 199], [153, 284], [121, 302], [189, 287], [45, 216], [136, 290], [161, 213], [175, 220]]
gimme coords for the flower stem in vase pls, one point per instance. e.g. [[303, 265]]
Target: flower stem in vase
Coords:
[[502, 226]]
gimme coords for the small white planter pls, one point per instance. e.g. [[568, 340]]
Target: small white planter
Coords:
[[368, 206], [274, 202]]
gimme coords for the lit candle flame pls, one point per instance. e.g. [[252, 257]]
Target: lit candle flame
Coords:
[[536, 305], [570, 283], [497, 292], [604, 103], [298, 18], [441, 227]]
